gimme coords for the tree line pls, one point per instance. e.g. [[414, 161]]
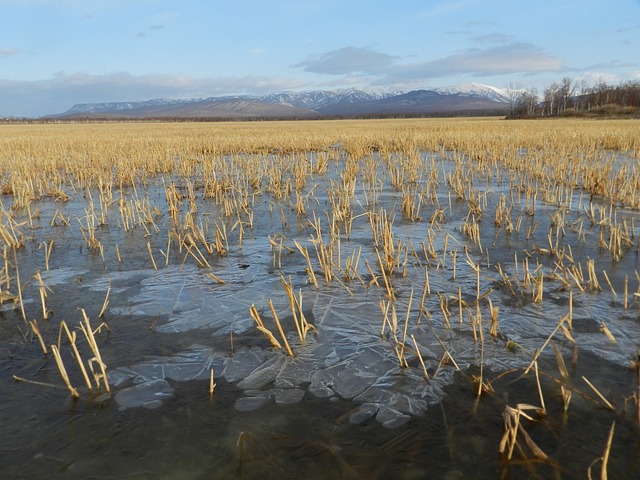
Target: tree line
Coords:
[[569, 97]]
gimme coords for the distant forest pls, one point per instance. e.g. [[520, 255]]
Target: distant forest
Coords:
[[572, 98]]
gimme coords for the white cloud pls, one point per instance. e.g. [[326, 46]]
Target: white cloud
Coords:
[[348, 60], [504, 59], [520, 57], [7, 52]]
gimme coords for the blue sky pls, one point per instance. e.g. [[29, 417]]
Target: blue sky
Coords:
[[55, 53]]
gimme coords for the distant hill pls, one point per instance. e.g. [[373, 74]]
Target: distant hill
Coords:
[[469, 98]]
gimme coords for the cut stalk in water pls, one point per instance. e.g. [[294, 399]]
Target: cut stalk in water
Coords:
[[282, 335], [63, 371]]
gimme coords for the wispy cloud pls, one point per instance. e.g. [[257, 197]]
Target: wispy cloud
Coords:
[[348, 60], [8, 52], [611, 65], [493, 39]]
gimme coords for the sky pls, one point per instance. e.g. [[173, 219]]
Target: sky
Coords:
[[57, 53]]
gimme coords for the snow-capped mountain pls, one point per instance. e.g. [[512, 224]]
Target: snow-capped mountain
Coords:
[[319, 99], [477, 89], [318, 103]]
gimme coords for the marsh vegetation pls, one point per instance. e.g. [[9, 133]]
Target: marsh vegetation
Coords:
[[384, 297]]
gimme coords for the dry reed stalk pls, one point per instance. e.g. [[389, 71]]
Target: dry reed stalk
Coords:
[[539, 350], [374, 277], [282, 335], [562, 367], [97, 358], [43, 295], [597, 392], [105, 304], [72, 341], [212, 384], [626, 291], [33, 382], [305, 254], [445, 351], [260, 325], [36, 331], [593, 283], [604, 329], [215, 278], [406, 318], [153, 261], [424, 367], [535, 366], [63, 371], [288, 289], [570, 314], [604, 459], [513, 426], [384, 307], [444, 308], [302, 326], [200, 259], [48, 247], [493, 311], [426, 289], [387, 284], [566, 398], [15, 258]]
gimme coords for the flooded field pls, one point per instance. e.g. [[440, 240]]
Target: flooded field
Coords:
[[397, 299]]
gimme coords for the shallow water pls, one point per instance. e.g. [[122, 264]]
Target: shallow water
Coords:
[[343, 399]]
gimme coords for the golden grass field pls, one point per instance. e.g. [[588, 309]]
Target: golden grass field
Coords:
[[37, 160]]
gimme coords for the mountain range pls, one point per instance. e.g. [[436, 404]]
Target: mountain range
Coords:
[[461, 99]]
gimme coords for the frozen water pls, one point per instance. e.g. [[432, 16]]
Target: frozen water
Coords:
[[148, 394], [348, 356]]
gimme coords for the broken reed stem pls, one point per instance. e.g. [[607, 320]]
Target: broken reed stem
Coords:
[[215, 278], [613, 292], [105, 304], [36, 331], [47, 253], [33, 382], [406, 319], [284, 338], [302, 326], [72, 339], [539, 351], [292, 303], [604, 459], [63, 371], [265, 331], [15, 258], [305, 254], [212, 384], [424, 368], [91, 340], [390, 293], [535, 366], [607, 450], [597, 392], [153, 261]]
